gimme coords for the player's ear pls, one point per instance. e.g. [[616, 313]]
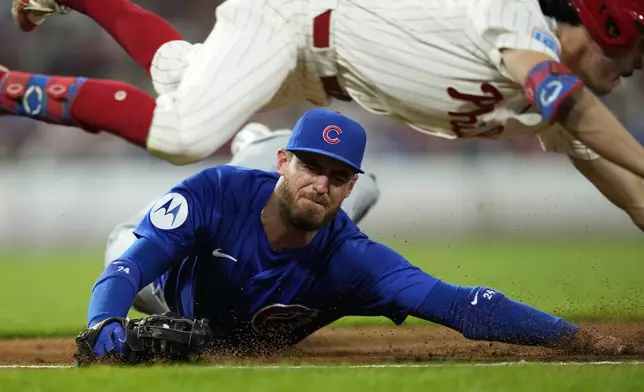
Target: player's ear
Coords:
[[282, 161], [351, 185]]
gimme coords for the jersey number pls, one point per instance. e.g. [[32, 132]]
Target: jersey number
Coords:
[[120, 268], [279, 318], [488, 294]]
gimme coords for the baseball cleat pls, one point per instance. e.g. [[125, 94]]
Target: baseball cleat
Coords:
[[29, 14]]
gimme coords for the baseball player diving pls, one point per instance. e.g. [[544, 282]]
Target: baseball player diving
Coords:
[[450, 68], [252, 147], [267, 258]]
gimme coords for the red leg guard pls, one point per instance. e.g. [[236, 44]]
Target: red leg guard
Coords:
[[94, 105], [115, 107], [138, 31]]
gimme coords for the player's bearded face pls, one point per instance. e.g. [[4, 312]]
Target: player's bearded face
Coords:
[[313, 189]]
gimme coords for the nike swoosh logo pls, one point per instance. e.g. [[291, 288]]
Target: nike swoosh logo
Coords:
[[218, 253], [476, 298]]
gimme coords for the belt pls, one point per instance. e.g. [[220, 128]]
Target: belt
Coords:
[[321, 39]]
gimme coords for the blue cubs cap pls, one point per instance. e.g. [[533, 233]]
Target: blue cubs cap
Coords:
[[330, 133]]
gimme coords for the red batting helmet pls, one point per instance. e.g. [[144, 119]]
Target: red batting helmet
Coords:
[[611, 23]]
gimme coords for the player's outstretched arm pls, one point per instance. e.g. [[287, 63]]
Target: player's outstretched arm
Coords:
[[561, 97], [621, 187], [482, 313], [393, 286], [479, 313]]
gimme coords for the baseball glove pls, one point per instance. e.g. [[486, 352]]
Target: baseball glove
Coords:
[[164, 337]]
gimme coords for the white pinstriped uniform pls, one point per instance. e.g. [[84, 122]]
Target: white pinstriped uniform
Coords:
[[433, 64]]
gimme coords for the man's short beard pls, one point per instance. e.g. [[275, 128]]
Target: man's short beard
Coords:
[[287, 207]]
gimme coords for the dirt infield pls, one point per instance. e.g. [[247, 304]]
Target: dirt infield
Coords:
[[356, 346]]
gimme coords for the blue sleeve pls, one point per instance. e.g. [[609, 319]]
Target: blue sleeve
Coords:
[[385, 284], [170, 231], [382, 282], [115, 290], [482, 313]]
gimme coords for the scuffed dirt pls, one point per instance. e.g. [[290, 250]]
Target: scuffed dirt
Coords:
[[358, 346]]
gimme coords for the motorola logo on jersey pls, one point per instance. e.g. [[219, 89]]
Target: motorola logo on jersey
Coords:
[[331, 133], [169, 212]]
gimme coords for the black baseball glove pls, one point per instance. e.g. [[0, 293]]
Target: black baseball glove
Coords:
[[159, 337]]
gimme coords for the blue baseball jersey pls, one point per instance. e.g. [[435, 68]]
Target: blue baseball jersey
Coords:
[[224, 269]]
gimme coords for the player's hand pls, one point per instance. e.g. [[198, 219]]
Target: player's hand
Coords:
[[106, 337], [111, 339]]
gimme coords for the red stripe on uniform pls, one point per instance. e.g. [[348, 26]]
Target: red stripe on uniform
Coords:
[[322, 30]]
